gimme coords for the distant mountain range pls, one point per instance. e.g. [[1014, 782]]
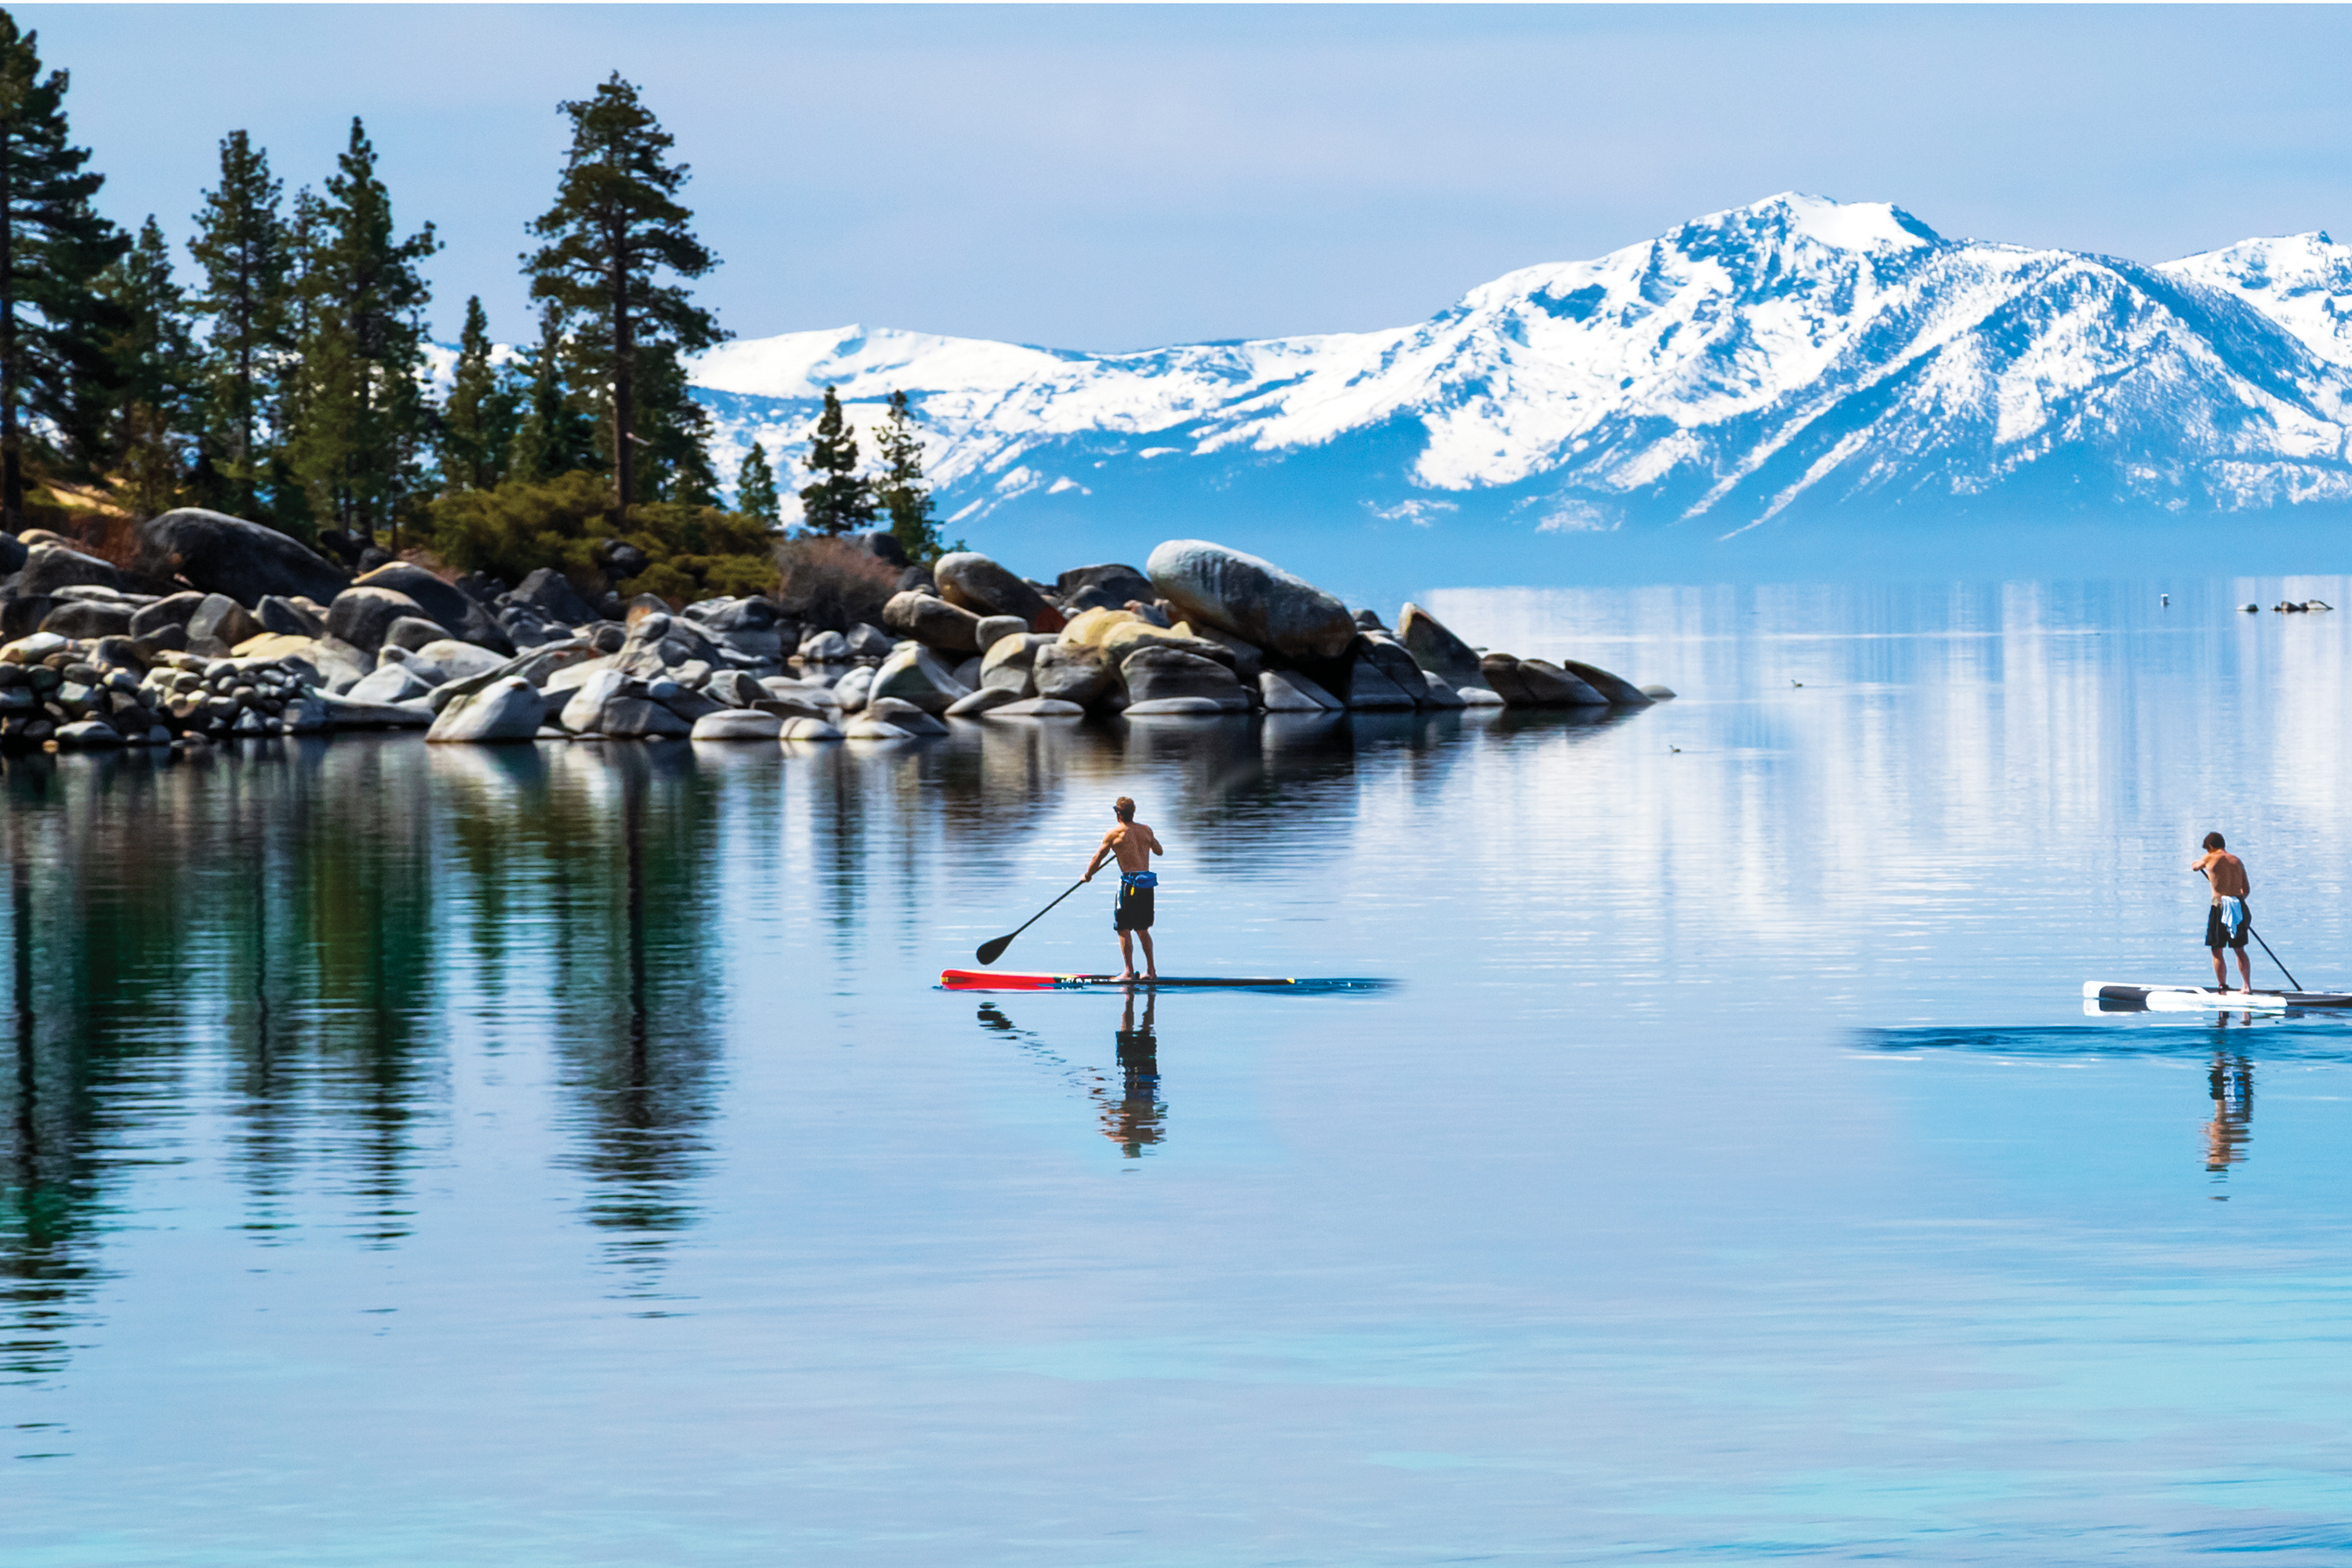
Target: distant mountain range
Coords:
[[1793, 364]]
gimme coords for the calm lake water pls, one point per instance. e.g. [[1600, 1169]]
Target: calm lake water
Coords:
[[562, 1155]]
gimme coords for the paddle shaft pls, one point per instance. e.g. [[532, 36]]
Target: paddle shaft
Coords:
[[990, 952], [2251, 931]]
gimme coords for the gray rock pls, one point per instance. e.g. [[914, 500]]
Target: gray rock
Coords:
[[506, 710], [809, 730], [1369, 621], [912, 675], [306, 716], [828, 647], [221, 554], [1435, 693], [1247, 660], [967, 674], [1288, 691], [1549, 685], [1154, 674], [86, 735], [1659, 693], [1070, 673], [536, 666], [551, 594], [1250, 598], [583, 711], [1012, 663], [250, 722], [362, 614], [1500, 673], [737, 724], [864, 729], [638, 718], [851, 689], [749, 615], [278, 613], [1478, 696], [971, 581], [389, 683], [734, 688], [685, 702], [1039, 707], [994, 629], [460, 659], [413, 632], [1438, 650], [982, 701], [220, 624], [89, 618], [868, 641], [1368, 686], [1177, 707], [50, 567], [906, 715], [173, 611], [345, 714], [1385, 654], [459, 613], [1114, 581], [1616, 690], [934, 623]]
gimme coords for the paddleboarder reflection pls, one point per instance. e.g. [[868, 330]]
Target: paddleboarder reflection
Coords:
[[1134, 1119], [2231, 1083]]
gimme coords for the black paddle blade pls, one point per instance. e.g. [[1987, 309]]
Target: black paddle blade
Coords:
[[993, 949]]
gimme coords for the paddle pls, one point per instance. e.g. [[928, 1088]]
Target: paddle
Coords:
[[2251, 931], [993, 949]]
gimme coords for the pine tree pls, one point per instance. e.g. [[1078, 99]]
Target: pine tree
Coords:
[[481, 416], [835, 500], [149, 354], [616, 225], [53, 247], [755, 486], [902, 491], [553, 436], [362, 417], [241, 243], [672, 446]]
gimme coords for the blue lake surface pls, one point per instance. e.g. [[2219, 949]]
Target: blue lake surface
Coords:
[[563, 1155]]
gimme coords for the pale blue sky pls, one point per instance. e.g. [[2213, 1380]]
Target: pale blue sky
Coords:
[[1121, 177]]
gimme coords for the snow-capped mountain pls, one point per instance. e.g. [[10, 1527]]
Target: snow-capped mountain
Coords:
[[1794, 359]]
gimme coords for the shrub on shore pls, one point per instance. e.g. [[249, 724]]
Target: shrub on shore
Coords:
[[830, 582], [568, 524]]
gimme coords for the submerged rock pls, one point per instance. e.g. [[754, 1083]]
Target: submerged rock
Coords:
[[737, 724]]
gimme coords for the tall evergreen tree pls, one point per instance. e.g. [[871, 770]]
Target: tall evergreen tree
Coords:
[[755, 486], [835, 500], [672, 446], [482, 412], [53, 247], [904, 495], [615, 227], [150, 357], [242, 245], [364, 415], [554, 437]]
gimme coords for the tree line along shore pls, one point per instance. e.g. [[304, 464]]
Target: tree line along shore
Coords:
[[227, 630], [283, 372]]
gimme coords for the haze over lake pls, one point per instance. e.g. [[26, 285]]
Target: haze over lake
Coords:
[[561, 1154]]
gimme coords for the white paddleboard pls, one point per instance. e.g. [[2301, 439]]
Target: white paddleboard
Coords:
[[2106, 997]]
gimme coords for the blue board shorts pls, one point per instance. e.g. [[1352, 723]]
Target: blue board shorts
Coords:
[[1131, 910]]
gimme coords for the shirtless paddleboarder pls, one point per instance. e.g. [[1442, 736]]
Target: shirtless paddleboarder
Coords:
[[2227, 924], [1133, 844]]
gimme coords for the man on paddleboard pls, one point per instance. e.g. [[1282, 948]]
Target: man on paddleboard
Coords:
[[1133, 844], [2227, 923]]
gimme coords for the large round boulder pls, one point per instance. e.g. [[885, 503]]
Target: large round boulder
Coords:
[[50, 567], [1618, 692], [219, 624], [552, 594], [1436, 650], [461, 614], [1071, 672], [971, 581], [508, 708], [223, 554], [1155, 673], [1379, 650], [912, 675], [1009, 662], [933, 622], [362, 616], [1118, 582], [1549, 685], [1250, 598], [89, 618], [173, 611]]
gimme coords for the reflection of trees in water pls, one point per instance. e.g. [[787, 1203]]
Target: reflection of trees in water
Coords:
[[631, 842]]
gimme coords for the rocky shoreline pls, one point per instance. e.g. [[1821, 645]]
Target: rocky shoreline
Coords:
[[258, 636]]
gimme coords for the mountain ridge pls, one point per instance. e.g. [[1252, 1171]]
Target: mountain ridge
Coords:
[[1790, 361]]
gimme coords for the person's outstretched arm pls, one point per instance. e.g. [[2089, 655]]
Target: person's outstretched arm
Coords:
[[1102, 852]]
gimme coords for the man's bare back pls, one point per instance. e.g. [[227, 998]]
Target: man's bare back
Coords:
[[2227, 872], [1132, 844]]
